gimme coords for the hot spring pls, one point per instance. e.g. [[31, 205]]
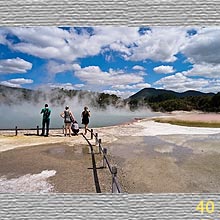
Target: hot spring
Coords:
[[28, 115]]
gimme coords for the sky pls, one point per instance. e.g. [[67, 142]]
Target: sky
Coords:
[[111, 59]]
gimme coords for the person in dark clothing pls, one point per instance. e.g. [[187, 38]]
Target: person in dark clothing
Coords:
[[85, 118], [46, 120]]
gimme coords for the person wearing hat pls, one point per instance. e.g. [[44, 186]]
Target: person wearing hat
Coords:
[[46, 120], [68, 117]]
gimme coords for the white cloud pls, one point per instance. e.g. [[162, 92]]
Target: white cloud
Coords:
[[54, 67], [180, 83], [6, 83], [21, 81], [43, 42], [214, 86], [137, 67], [93, 75], [16, 65], [159, 44], [164, 69], [204, 70], [204, 47], [122, 94], [135, 86], [68, 45], [16, 82]]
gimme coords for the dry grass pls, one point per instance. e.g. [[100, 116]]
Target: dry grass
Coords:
[[188, 123]]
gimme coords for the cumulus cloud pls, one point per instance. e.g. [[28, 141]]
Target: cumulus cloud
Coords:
[[164, 69], [16, 82], [122, 94], [68, 45], [159, 44], [43, 42], [213, 86], [21, 81], [137, 67], [181, 83], [135, 86], [93, 75], [55, 67], [206, 70], [7, 83], [156, 43], [16, 65], [204, 46]]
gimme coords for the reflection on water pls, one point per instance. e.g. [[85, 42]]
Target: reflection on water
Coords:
[[152, 146], [68, 152]]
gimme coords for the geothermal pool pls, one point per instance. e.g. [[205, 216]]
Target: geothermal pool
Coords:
[[28, 116]]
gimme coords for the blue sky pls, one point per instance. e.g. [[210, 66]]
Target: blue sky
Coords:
[[116, 60]]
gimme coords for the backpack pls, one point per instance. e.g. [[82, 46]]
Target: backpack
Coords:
[[46, 113], [75, 127], [67, 117]]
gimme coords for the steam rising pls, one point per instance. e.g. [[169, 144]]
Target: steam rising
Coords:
[[26, 114]]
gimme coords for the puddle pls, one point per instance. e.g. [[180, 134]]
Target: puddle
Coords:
[[68, 152], [162, 147], [152, 146]]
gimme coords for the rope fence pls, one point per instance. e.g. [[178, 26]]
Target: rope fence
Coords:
[[116, 188], [37, 129]]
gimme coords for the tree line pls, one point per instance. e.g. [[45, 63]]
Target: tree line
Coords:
[[169, 102]]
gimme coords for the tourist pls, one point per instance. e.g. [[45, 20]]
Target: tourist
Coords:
[[75, 128], [46, 120], [68, 117], [85, 118]]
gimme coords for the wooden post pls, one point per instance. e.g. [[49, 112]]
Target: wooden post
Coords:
[[96, 138], [91, 134], [16, 130], [37, 130], [114, 174], [104, 154], [100, 141]]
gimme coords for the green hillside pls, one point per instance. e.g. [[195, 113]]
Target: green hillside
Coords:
[[167, 100], [151, 92]]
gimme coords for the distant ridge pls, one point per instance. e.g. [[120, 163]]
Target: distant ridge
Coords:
[[152, 92], [168, 100]]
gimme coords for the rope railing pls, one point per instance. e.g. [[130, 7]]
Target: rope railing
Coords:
[[37, 129], [95, 174], [113, 170]]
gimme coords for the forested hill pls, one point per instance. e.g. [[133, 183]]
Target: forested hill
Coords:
[[151, 92], [167, 100], [57, 97]]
